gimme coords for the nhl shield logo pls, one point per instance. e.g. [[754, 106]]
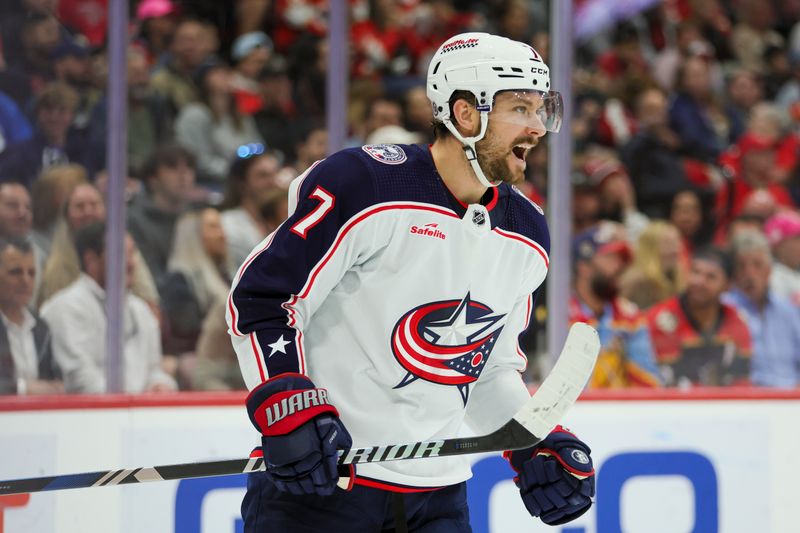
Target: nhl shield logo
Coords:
[[388, 154], [478, 218]]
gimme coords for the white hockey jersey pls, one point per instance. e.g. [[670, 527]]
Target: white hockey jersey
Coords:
[[401, 301]]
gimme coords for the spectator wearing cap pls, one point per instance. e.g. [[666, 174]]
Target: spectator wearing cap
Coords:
[[250, 54], [614, 190], [213, 129], [651, 156], [774, 322], [783, 233], [156, 20], [698, 339], [755, 175], [87, 17], [766, 124], [72, 66], [27, 365], [77, 319], [625, 57], [53, 142], [71, 63], [626, 359]]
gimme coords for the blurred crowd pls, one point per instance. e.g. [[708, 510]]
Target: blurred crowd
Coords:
[[686, 181]]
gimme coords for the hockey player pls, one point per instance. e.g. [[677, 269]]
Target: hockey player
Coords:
[[387, 309]]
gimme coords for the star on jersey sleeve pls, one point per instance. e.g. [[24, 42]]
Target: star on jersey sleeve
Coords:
[[287, 276]]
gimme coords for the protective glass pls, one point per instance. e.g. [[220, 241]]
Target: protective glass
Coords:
[[533, 109]]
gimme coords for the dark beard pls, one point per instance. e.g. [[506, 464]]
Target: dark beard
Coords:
[[492, 159], [494, 168], [604, 288]]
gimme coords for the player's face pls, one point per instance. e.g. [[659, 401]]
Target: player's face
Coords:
[[515, 127], [705, 284]]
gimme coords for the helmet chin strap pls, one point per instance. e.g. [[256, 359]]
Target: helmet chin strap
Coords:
[[468, 144]]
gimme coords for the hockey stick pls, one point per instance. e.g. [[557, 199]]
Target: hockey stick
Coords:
[[532, 423]]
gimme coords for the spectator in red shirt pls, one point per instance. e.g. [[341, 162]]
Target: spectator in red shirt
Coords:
[[88, 17], [757, 160], [625, 57], [698, 339]]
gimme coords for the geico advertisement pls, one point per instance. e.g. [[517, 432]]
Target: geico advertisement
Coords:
[[662, 466]]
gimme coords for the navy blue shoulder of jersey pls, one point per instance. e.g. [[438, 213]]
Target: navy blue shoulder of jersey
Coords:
[[346, 178], [374, 174], [523, 216], [403, 173]]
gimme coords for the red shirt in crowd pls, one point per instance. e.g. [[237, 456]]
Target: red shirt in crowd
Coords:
[[720, 356]]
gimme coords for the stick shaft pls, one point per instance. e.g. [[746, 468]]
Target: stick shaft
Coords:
[[527, 428]]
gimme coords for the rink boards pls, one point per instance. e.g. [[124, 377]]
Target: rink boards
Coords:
[[711, 461]]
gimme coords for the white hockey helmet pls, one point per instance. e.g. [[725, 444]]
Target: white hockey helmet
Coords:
[[485, 65]]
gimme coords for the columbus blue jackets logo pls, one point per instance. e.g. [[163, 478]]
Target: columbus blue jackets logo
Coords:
[[390, 154], [446, 342]]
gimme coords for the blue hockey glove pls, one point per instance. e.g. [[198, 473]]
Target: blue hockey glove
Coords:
[[555, 477], [301, 433]]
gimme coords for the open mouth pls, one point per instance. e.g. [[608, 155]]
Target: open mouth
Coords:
[[520, 151]]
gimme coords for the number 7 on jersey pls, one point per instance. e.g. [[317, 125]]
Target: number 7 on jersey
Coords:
[[327, 201]]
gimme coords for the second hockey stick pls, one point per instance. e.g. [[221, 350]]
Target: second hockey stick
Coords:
[[529, 426]]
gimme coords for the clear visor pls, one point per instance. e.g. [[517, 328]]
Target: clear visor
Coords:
[[533, 109]]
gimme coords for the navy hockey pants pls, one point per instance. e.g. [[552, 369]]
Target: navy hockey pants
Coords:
[[265, 509]]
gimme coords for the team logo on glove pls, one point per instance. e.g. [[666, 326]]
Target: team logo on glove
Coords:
[[446, 342], [580, 457]]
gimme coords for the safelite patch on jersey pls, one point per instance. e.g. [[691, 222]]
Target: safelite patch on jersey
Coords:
[[389, 154]]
